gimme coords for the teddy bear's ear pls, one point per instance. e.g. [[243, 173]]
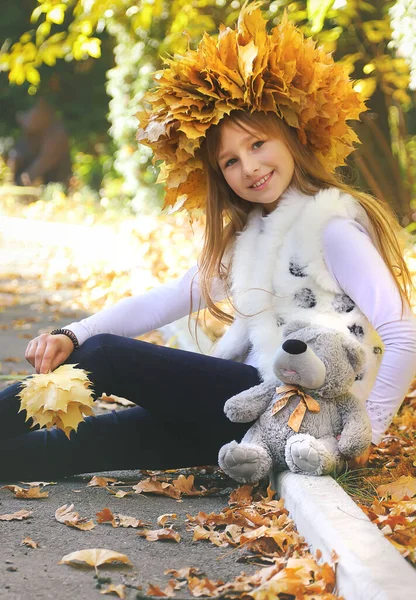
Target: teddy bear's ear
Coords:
[[294, 326], [355, 354]]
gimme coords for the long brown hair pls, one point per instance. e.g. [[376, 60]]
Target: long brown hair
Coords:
[[227, 213]]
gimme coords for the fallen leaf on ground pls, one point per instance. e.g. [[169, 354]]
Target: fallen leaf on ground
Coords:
[[397, 490], [163, 519], [153, 486], [100, 481], [17, 516], [66, 515], [241, 495], [154, 590], [203, 533], [119, 493], [160, 534], [29, 542], [125, 521], [203, 587], [106, 516], [94, 557], [120, 590], [183, 573], [185, 485], [31, 493]]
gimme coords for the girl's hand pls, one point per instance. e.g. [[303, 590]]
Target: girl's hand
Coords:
[[46, 352]]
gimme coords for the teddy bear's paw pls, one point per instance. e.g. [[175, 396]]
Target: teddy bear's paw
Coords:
[[237, 412], [244, 463], [305, 454]]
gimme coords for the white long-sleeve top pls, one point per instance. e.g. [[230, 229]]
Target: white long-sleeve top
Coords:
[[345, 244]]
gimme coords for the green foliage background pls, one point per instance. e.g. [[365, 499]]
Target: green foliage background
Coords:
[[93, 60]]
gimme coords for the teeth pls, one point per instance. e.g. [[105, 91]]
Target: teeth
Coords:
[[261, 181]]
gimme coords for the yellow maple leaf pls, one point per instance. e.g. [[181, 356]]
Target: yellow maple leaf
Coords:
[[61, 398]]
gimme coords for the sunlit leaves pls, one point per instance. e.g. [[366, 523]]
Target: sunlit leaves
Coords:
[[317, 10], [84, 46]]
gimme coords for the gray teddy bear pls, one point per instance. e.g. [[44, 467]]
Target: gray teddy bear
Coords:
[[307, 420]]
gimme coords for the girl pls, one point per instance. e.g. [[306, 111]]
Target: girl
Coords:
[[253, 125]]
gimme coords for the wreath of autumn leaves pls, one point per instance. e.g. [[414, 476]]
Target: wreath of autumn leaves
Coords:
[[245, 69]]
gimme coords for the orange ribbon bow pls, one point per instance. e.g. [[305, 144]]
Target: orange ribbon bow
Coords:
[[306, 402]]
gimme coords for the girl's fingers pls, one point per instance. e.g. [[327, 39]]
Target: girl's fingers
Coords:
[[58, 360], [46, 352], [29, 353]]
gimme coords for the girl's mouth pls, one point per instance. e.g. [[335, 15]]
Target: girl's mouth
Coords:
[[259, 185]]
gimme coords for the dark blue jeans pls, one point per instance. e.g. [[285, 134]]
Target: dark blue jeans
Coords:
[[178, 421]]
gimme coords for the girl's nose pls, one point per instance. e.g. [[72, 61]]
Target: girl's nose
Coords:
[[249, 168]]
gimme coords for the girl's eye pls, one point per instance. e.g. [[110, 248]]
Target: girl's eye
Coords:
[[230, 162], [258, 144]]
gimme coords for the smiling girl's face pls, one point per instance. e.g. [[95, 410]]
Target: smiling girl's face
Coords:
[[257, 167]]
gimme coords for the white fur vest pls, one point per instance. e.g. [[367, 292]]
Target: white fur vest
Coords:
[[279, 275]]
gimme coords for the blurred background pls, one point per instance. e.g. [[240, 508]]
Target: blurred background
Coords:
[[90, 61], [80, 210]]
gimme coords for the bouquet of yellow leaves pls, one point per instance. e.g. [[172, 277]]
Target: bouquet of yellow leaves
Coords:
[[60, 398]]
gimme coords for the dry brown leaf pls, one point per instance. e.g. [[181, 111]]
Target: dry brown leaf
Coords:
[[183, 573], [119, 590], [125, 521], [100, 481], [242, 495], [405, 507], [105, 516], [153, 486], [185, 485], [154, 590], [163, 519], [113, 399], [67, 516], [17, 516], [119, 493], [216, 537], [397, 490], [31, 493], [160, 534], [203, 587], [94, 557], [29, 542]]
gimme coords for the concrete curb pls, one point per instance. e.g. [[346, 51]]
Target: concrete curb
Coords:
[[369, 567]]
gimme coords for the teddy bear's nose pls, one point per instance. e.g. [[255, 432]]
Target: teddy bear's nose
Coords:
[[294, 347]]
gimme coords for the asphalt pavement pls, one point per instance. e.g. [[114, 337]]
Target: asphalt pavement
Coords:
[[25, 572]]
